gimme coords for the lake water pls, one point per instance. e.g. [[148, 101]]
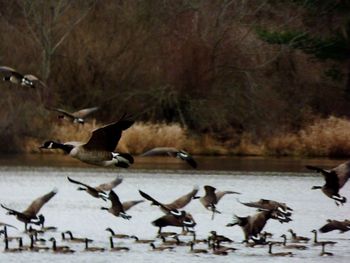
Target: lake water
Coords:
[[24, 178]]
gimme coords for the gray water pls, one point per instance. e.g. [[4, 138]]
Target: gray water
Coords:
[[76, 211]]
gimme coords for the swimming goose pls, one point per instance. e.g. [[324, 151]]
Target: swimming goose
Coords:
[[113, 248], [173, 152], [210, 199], [60, 249], [217, 251], [92, 249], [182, 220], [253, 225], [77, 116], [142, 241], [342, 226], [129, 204], [121, 236], [295, 238], [217, 239], [98, 191], [4, 232], [15, 77], [197, 250], [99, 149], [279, 254], [117, 208], [179, 203], [323, 252], [29, 215], [293, 246], [335, 179], [195, 240], [319, 243], [32, 247], [163, 248], [12, 250], [75, 239]]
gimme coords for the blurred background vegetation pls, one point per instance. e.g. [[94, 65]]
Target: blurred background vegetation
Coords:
[[235, 76]]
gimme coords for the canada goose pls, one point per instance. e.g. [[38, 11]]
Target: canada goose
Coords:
[[293, 246], [12, 250], [342, 226], [177, 204], [195, 240], [75, 239], [163, 248], [113, 248], [210, 199], [44, 228], [217, 239], [173, 152], [99, 149], [279, 254], [29, 216], [319, 243], [323, 252], [77, 116], [295, 238], [92, 249], [4, 232], [117, 207], [170, 242], [98, 191], [142, 241], [15, 77], [197, 251], [217, 251], [129, 204], [335, 179], [270, 205], [60, 249], [34, 248], [253, 225], [121, 236], [183, 220]]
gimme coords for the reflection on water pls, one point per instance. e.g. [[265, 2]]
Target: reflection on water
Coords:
[[273, 164]]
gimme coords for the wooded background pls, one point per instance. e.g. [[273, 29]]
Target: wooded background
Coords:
[[218, 67]]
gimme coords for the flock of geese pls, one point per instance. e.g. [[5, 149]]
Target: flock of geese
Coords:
[[100, 150]]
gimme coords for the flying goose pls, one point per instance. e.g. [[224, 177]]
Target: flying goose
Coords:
[[60, 249], [29, 215], [197, 250], [279, 254], [335, 179], [210, 199], [293, 246], [163, 248], [253, 225], [177, 204], [77, 116], [113, 248], [342, 226], [99, 149], [92, 249], [113, 234], [75, 239], [100, 190], [319, 243], [270, 205], [129, 204], [182, 220], [13, 76], [295, 238], [173, 152], [142, 241], [117, 208], [323, 252]]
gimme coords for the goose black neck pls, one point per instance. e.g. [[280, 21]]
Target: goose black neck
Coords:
[[65, 147], [111, 242]]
